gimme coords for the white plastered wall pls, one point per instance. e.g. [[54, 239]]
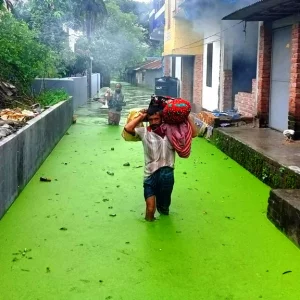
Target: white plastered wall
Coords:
[[210, 96]]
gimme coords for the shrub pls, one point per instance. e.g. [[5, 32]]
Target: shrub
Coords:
[[22, 58], [51, 97]]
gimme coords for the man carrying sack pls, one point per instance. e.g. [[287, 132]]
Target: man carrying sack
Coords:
[[159, 157]]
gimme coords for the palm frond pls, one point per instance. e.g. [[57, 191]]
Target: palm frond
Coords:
[[7, 4]]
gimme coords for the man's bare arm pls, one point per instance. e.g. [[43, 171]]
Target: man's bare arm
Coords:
[[129, 127], [108, 95]]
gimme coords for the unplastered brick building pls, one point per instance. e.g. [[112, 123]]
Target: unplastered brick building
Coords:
[[276, 97], [209, 57]]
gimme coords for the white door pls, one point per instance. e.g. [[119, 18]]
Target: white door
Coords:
[[280, 78]]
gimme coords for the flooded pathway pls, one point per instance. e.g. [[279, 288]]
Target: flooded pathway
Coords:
[[82, 236]]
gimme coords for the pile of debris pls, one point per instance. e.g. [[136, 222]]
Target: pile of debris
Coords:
[[13, 119], [207, 120], [7, 93], [16, 114], [10, 98]]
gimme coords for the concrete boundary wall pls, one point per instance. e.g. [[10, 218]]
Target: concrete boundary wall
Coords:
[[94, 85], [21, 154], [80, 91], [74, 86]]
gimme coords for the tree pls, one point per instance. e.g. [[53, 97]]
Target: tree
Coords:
[[141, 10], [47, 18], [50, 20], [114, 36], [119, 43], [22, 58], [89, 12], [6, 4]]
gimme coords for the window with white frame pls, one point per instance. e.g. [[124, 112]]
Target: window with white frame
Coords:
[[209, 64]]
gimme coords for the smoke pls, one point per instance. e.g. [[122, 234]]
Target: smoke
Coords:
[[207, 20], [239, 39], [207, 15]]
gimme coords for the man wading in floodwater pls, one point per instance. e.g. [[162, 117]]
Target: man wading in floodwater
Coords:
[[115, 103], [159, 160]]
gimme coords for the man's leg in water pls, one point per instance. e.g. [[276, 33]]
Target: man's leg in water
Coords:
[[150, 209], [110, 118], [149, 195], [117, 118], [165, 188]]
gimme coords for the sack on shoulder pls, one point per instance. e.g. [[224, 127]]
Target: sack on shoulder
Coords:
[[133, 113]]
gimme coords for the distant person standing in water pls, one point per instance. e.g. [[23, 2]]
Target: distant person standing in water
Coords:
[[115, 103]]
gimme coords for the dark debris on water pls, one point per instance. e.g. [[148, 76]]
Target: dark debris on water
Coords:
[[286, 272]]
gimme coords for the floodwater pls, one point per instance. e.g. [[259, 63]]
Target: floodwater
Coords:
[[83, 236]]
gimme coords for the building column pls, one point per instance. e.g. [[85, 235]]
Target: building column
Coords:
[[226, 97], [187, 74], [264, 74], [226, 52], [294, 101], [167, 66], [198, 83]]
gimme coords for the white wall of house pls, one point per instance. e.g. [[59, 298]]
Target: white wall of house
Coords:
[[210, 96], [139, 77], [178, 68]]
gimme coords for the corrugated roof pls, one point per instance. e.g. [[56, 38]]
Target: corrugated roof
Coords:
[[266, 10], [152, 65]]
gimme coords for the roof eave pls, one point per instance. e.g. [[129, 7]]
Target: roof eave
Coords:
[[253, 11]]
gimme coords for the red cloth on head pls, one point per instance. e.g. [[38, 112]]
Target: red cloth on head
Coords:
[[176, 111]]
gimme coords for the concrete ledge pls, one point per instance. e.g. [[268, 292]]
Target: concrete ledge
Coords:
[[21, 154], [284, 212], [265, 168]]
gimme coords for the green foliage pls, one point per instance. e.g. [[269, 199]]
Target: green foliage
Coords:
[[141, 11], [6, 5], [51, 97], [46, 18], [22, 58], [115, 34], [119, 43], [88, 14]]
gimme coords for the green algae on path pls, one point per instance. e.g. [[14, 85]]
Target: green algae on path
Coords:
[[216, 244]]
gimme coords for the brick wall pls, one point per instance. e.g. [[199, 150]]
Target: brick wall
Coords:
[[264, 74], [198, 83], [227, 102], [294, 101], [167, 66], [187, 72], [245, 102]]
